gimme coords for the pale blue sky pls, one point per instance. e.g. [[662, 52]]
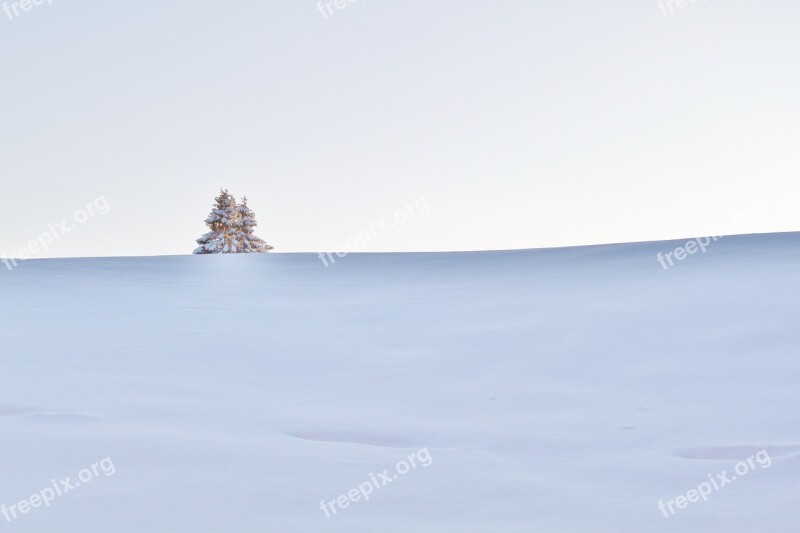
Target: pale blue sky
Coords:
[[522, 123]]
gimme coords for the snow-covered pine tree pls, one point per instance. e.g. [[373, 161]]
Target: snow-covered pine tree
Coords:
[[249, 243], [223, 225]]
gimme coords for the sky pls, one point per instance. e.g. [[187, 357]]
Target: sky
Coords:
[[382, 125]]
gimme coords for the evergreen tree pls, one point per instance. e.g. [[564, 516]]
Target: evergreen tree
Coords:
[[223, 225], [248, 242]]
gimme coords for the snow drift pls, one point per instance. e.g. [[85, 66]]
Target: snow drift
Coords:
[[555, 390]]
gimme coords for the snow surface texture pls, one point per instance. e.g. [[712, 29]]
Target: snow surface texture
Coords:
[[555, 390]]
